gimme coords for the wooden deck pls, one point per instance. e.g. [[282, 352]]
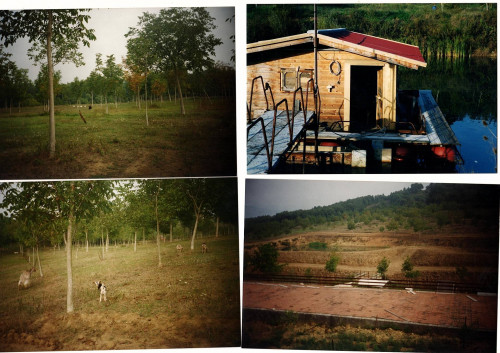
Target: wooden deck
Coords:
[[256, 146]]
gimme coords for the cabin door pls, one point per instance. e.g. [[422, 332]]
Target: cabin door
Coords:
[[365, 104]]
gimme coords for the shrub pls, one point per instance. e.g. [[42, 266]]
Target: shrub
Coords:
[[407, 269], [316, 245], [265, 259], [383, 266], [331, 265]]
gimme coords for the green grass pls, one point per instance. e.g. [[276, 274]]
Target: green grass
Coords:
[[193, 295], [119, 144]]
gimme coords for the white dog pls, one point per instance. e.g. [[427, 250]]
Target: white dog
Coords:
[[102, 288]]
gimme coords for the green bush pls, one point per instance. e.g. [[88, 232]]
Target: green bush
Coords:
[[383, 266], [265, 259], [316, 245], [331, 265]]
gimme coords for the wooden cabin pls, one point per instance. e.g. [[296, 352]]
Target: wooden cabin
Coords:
[[357, 74], [347, 112]]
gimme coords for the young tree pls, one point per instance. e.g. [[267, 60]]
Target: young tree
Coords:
[[407, 269], [55, 36], [331, 264], [181, 41], [113, 76], [265, 259], [140, 58], [383, 266]]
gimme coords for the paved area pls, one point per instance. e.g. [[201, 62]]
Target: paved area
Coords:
[[446, 309]]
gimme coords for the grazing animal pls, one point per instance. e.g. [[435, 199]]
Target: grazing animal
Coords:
[[102, 290], [25, 278], [204, 248], [179, 248]]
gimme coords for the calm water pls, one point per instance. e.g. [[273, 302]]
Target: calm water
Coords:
[[466, 92]]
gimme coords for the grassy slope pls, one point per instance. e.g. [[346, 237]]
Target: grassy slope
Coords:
[[202, 143], [192, 301]]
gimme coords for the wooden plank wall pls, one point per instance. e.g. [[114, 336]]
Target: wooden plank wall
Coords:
[[333, 102]]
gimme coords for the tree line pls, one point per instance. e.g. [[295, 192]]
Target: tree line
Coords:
[[415, 208], [443, 29], [40, 214]]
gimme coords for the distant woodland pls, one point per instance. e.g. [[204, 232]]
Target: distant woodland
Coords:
[[415, 208], [459, 30]]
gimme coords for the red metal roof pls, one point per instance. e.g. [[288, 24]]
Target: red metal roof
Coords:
[[389, 46]]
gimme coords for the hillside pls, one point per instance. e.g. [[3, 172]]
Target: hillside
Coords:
[[413, 209]]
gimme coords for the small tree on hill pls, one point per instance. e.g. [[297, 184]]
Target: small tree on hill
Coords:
[[265, 259], [331, 264], [383, 266], [408, 270]]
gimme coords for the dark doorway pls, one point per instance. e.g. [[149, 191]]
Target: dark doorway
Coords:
[[363, 97]]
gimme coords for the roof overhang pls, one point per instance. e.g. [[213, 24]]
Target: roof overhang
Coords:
[[338, 43]]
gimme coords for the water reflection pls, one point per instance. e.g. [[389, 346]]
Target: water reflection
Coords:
[[466, 91]]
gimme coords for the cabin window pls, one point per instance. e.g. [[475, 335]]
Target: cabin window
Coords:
[[291, 79], [288, 79]]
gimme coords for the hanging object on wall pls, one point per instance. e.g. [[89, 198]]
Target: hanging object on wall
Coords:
[[335, 67]]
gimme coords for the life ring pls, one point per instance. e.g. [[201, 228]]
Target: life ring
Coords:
[[339, 68]]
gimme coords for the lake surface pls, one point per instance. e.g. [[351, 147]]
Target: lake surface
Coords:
[[466, 92]]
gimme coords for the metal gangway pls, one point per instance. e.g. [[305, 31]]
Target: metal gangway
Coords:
[[272, 135]]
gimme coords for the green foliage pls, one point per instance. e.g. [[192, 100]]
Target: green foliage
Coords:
[[316, 245], [407, 269], [383, 266], [458, 29], [265, 259], [331, 264], [413, 207]]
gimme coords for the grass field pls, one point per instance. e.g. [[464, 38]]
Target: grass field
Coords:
[[119, 144], [192, 301]]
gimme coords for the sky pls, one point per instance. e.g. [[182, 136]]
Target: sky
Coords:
[[110, 26], [268, 197]]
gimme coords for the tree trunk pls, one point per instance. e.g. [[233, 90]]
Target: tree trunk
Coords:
[[171, 228], [87, 240], [183, 110], [106, 102], [217, 228], [102, 243], [143, 237], [157, 230], [107, 240], [194, 229], [39, 263], [52, 121], [146, 100], [135, 241], [69, 294]]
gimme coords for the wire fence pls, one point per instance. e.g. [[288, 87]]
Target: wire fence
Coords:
[[433, 286]]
